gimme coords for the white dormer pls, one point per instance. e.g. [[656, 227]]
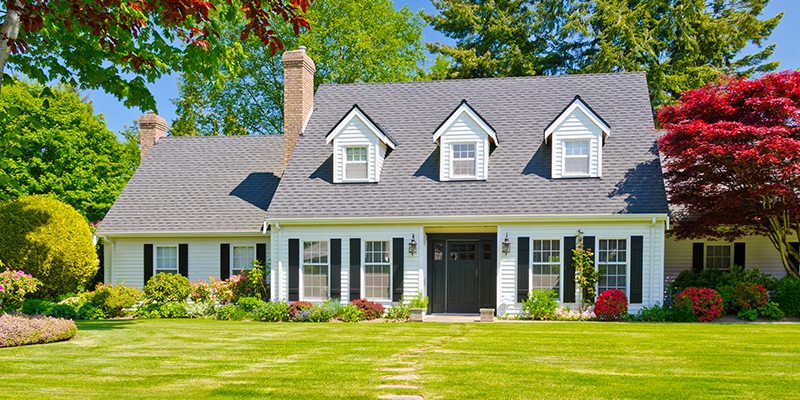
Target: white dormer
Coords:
[[464, 144], [577, 136], [359, 148]]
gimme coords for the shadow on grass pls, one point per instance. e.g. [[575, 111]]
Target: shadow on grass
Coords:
[[105, 325]]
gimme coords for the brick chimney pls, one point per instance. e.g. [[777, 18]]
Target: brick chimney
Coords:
[[298, 96], [151, 128]]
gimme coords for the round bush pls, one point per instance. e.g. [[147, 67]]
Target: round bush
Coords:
[[749, 296], [277, 311], [787, 295], [49, 240], [611, 305], [370, 309], [165, 287], [114, 300], [702, 304]]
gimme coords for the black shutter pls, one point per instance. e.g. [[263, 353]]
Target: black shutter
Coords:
[[569, 270], [336, 269], [738, 254], [589, 243], [148, 262], [637, 266], [183, 259], [261, 253], [224, 261], [355, 268], [697, 256], [523, 266], [397, 269], [294, 269]]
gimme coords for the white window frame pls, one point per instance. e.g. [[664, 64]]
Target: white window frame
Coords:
[[345, 163], [303, 271], [596, 251], [560, 267], [233, 258], [474, 175], [717, 244], [363, 286], [177, 269], [564, 157]]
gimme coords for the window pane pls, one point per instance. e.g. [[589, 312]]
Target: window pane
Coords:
[[576, 147], [463, 162], [356, 154], [355, 170], [377, 270], [166, 259], [546, 265], [464, 167], [718, 257], [315, 270], [612, 257], [243, 257], [576, 165]]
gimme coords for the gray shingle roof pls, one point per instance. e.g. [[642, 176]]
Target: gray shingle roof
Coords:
[[200, 184], [519, 169]]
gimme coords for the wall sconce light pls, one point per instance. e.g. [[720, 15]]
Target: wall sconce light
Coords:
[[412, 246], [506, 245]]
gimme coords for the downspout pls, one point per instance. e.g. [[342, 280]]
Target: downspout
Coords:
[[275, 279]]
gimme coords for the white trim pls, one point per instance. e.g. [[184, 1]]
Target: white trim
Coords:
[[177, 257], [560, 268], [470, 220], [356, 113], [596, 251], [363, 287], [233, 246], [474, 176], [183, 234], [465, 109], [577, 103], [301, 273]]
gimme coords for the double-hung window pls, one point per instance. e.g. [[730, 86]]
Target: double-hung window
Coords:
[[463, 161], [377, 270], [315, 270], [612, 261], [546, 265], [355, 163], [166, 259], [576, 157], [243, 257], [718, 257]]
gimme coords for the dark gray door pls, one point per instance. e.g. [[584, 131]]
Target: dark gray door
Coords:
[[462, 276]]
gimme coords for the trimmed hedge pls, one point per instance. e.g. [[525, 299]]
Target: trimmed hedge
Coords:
[[49, 240], [19, 330]]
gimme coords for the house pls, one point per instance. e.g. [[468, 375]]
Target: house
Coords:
[[473, 192]]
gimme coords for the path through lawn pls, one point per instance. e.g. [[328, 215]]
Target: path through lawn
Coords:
[[194, 359]]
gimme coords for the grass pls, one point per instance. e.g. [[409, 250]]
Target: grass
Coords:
[[215, 359]]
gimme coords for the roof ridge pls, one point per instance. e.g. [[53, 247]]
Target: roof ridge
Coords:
[[499, 78], [223, 137]]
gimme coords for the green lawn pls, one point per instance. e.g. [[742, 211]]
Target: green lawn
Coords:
[[215, 359]]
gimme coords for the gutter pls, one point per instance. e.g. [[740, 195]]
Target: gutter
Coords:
[[184, 234], [473, 219]]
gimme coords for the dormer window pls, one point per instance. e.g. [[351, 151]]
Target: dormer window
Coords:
[[355, 163], [463, 161], [359, 147], [465, 140], [577, 136], [576, 157]]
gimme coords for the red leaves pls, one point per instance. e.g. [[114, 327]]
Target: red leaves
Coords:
[[705, 303], [728, 146], [611, 305]]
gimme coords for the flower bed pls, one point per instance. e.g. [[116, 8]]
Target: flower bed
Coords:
[[19, 330]]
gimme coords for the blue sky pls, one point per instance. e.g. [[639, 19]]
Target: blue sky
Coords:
[[165, 89]]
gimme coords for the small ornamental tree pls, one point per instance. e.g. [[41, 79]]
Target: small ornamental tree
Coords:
[[586, 275], [731, 159], [120, 45]]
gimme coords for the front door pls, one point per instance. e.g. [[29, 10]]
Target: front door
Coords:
[[462, 272]]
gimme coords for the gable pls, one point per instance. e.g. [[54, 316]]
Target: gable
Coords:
[[356, 119], [577, 115], [465, 115]]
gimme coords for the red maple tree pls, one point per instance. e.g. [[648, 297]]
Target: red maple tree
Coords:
[[731, 157]]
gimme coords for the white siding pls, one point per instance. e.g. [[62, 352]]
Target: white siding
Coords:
[[759, 253], [413, 266], [464, 130], [204, 256], [356, 133], [577, 126], [653, 256]]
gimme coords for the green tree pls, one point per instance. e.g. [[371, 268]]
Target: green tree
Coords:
[[681, 44], [120, 45], [351, 41], [52, 143]]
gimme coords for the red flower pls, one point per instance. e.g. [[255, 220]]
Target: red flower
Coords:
[[705, 303], [611, 305]]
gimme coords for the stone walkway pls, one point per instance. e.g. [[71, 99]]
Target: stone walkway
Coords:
[[402, 375]]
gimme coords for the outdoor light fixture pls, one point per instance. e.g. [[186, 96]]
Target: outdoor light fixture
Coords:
[[506, 245], [412, 246]]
